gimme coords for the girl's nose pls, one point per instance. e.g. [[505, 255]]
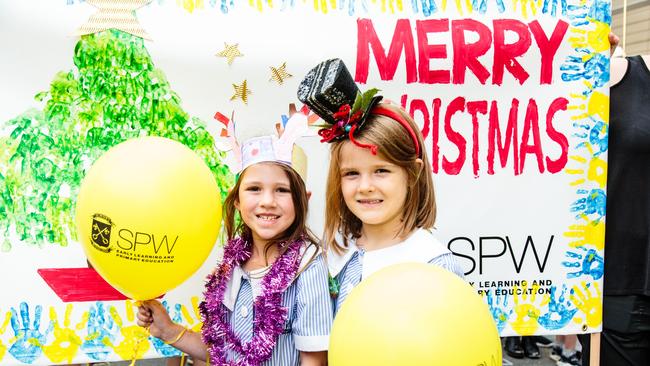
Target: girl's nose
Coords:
[[366, 184], [268, 198]]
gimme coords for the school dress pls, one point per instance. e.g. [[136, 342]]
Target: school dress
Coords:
[[309, 319], [350, 268]]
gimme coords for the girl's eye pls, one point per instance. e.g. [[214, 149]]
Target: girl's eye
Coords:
[[283, 190], [253, 188], [350, 173], [382, 170]]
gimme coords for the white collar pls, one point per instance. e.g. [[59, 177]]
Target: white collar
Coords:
[[336, 261], [233, 285], [421, 247]]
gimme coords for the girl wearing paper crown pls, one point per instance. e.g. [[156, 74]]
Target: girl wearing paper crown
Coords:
[[267, 302], [380, 205]]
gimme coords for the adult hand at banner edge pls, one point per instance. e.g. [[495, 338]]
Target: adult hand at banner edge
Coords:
[[613, 42]]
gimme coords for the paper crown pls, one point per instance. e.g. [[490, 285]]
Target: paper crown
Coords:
[[270, 148], [280, 147]]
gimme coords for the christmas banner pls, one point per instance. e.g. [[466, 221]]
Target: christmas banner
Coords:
[[511, 97]]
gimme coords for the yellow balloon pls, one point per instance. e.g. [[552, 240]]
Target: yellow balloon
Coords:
[[148, 215], [414, 314]]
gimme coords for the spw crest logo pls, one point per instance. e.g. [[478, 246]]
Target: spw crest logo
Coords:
[[100, 235]]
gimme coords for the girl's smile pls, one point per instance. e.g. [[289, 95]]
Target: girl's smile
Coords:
[[373, 189], [265, 201], [370, 202]]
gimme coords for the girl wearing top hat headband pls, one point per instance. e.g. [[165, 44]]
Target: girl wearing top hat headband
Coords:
[[380, 205]]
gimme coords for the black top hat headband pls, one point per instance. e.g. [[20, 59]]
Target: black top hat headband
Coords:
[[330, 91]]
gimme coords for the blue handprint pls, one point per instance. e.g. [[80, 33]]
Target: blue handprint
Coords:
[[592, 203], [225, 5], [428, 7], [499, 308], [589, 262], [594, 68], [600, 10], [160, 346], [597, 133], [100, 326], [560, 310], [285, 4], [553, 4], [482, 6], [29, 338]]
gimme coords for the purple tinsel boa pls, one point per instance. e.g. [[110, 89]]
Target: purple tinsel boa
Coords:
[[269, 314]]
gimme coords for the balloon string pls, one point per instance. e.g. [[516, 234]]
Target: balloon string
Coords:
[[137, 346]]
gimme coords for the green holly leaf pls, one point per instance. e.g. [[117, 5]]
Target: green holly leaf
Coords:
[[357, 103], [362, 101], [321, 125], [368, 95]]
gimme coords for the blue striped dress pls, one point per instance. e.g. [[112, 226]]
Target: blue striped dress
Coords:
[[356, 264], [309, 320]]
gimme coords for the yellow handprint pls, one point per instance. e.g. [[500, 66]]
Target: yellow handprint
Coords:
[[190, 5], [596, 167], [323, 6], [259, 4], [596, 104], [135, 343], [66, 342], [525, 5], [593, 232], [590, 305], [459, 7], [391, 6], [527, 310], [3, 348], [597, 171], [190, 319], [595, 39]]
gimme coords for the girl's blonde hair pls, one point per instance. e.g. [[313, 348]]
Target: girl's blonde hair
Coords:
[[396, 146], [235, 226]]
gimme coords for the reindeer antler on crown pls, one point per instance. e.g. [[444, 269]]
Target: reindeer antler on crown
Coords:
[[228, 131]]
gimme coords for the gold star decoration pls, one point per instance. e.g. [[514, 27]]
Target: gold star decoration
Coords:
[[279, 74], [114, 14], [241, 92], [230, 52]]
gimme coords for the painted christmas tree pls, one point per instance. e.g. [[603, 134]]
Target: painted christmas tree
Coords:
[[114, 94]]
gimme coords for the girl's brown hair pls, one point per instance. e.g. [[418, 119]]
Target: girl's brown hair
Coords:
[[394, 145], [235, 226]]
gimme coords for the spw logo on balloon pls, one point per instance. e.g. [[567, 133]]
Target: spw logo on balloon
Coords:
[[131, 244]]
